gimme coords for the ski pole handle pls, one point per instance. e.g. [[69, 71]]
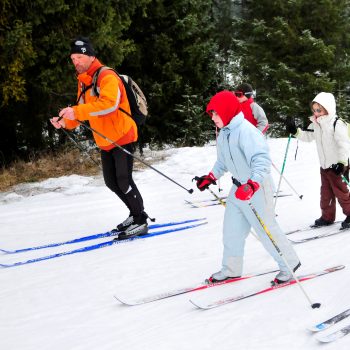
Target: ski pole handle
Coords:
[[236, 182]]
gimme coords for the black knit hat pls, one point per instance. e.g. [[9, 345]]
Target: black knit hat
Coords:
[[246, 89], [83, 46]]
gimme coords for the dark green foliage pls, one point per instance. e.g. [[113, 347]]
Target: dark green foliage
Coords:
[[197, 126], [175, 53], [180, 52], [291, 50], [37, 78], [168, 47]]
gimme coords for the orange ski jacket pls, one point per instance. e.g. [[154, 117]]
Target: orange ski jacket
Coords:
[[103, 112]]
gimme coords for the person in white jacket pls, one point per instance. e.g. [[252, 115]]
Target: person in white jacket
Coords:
[[333, 146], [244, 153]]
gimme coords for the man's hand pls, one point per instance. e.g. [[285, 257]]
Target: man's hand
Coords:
[[57, 122], [67, 113]]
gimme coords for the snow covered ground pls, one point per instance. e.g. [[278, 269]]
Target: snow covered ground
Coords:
[[67, 302]]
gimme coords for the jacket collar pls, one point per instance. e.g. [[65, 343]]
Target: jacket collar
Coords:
[[86, 77], [96, 64], [323, 120], [234, 123]]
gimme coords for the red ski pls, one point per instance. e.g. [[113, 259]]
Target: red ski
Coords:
[[220, 302]]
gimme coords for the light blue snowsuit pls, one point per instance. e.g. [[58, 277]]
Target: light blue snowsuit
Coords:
[[243, 151]]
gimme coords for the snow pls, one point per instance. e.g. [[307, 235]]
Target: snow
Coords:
[[67, 302]]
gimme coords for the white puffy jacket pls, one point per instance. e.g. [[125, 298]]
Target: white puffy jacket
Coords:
[[333, 144]]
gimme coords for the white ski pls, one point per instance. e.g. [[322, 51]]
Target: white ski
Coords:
[[330, 322], [328, 338], [322, 235]]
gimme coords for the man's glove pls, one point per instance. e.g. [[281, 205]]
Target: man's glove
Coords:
[[246, 191], [205, 181], [338, 168], [290, 126]]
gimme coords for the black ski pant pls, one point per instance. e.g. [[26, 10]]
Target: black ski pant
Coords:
[[117, 167]]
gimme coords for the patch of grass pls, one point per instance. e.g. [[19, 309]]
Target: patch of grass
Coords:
[[67, 162], [48, 165]]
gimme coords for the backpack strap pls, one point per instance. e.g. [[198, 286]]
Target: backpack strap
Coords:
[[335, 122], [95, 80], [82, 92]]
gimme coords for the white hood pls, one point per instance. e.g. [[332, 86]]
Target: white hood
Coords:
[[326, 100]]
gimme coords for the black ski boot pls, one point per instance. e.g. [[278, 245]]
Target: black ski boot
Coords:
[[322, 222], [126, 223], [346, 223], [132, 231], [138, 227]]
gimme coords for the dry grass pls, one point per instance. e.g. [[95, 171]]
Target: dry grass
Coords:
[[68, 162], [46, 166]]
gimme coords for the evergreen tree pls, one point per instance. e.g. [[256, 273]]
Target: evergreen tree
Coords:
[[178, 51], [37, 77], [175, 57], [291, 50]]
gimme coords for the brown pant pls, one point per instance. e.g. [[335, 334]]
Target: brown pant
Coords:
[[333, 187]]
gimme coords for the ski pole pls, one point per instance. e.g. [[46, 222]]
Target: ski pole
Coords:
[[196, 178], [313, 305], [216, 145], [81, 148], [288, 183], [135, 157], [217, 197], [345, 180], [282, 171]]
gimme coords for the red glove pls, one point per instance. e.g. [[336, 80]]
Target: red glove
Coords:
[[246, 191], [205, 181]]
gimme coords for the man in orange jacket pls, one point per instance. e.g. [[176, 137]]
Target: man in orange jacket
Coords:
[[107, 119]]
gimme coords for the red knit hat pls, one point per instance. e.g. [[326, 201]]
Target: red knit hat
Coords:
[[225, 104]]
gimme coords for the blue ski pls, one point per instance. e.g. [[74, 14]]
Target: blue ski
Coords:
[[101, 245], [95, 236]]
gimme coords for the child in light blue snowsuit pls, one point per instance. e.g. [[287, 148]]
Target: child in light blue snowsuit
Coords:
[[243, 151]]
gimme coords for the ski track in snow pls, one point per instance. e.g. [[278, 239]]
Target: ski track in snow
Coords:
[[67, 303]]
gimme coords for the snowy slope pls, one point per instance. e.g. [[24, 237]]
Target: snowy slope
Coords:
[[67, 303]]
